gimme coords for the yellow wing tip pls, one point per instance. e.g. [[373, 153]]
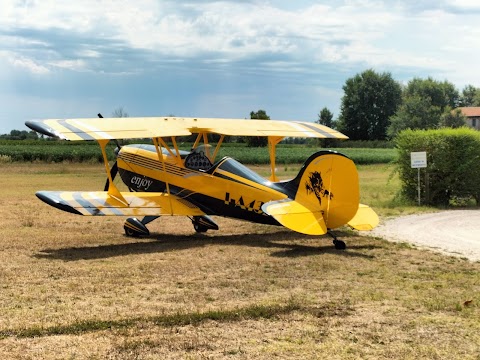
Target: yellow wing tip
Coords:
[[365, 219]]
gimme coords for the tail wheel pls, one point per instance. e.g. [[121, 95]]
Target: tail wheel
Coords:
[[339, 244]]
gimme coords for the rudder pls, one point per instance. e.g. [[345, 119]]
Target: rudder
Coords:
[[327, 184]]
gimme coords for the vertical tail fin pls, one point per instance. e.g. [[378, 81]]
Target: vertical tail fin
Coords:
[[329, 182], [326, 187]]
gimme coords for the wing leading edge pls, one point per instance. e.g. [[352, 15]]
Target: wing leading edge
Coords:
[[100, 203]]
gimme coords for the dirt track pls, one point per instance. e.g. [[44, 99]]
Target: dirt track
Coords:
[[452, 232]]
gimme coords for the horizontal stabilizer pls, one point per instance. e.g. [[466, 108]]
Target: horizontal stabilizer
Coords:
[[364, 219], [296, 216], [100, 203]]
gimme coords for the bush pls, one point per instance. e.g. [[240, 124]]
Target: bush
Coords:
[[53, 151], [453, 165]]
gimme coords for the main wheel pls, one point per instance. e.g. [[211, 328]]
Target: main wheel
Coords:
[[130, 232], [199, 228]]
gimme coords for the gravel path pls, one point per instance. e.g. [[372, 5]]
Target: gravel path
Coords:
[[453, 232]]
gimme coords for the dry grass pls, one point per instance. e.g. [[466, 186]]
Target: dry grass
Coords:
[[76, 287]]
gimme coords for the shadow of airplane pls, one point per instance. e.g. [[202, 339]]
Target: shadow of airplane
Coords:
[[159, 243]]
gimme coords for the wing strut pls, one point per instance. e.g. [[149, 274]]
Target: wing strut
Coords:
[[156, 142], [272, 143], [178, 158], [217, 148]]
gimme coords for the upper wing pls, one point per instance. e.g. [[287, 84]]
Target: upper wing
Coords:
[[244, 127], [101, 203], [106, 128], [150, 127]]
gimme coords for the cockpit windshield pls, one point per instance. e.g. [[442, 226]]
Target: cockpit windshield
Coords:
[[234, 167]]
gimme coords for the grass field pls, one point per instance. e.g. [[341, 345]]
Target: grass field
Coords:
[[75, 287]]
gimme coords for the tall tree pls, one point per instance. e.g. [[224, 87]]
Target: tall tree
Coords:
[[424, 102], [368, 102], [441, 94], [257, 141], [452, 118], [325, 117], [470, 96]]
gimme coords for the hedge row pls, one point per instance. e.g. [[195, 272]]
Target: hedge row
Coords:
[[453, 165], [53, 153], [90, 152]]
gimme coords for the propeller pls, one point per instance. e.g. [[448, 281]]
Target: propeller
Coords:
[[114, 169]]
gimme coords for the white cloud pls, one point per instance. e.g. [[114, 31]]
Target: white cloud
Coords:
[[465, 4], [75, 65], [24, 63], [342, 31]]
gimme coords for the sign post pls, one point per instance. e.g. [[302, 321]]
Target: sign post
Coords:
[[418, 160]]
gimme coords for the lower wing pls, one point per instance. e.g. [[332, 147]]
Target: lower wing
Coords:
[[100, 203]]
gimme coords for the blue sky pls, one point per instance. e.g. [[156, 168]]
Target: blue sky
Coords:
[[220, 58]]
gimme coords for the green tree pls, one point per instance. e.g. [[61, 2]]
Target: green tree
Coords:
[[369, 100], [325, 117], [20, 135], [470, 96], [424, 102], [441, 94], [416, 112], [257, 141], [452, 118]]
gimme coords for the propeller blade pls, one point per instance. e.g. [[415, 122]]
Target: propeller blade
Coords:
[[114, 169], [113, 173]]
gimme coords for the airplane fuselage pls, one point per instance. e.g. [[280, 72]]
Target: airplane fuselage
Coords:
[[227, 188]]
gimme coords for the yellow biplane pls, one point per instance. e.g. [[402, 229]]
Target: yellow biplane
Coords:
[[164, 180]]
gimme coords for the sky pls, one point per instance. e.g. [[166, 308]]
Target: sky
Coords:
[[73, 59]]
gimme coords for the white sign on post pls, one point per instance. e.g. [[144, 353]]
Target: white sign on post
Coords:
[[418, 159]]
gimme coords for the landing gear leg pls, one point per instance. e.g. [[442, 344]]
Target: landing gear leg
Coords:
[[339, 244]]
